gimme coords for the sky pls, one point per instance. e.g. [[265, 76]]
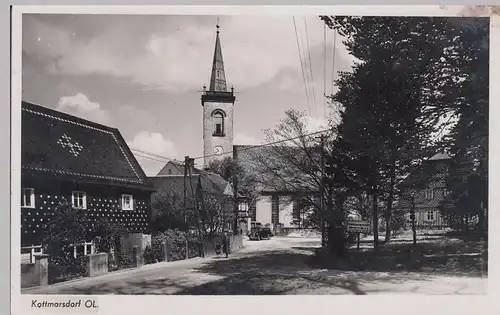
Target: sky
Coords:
[[143, 74]]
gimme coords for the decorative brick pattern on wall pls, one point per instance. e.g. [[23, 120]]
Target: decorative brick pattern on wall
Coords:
[[34, 220]]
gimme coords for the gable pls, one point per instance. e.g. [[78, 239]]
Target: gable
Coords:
[[65, 145], [175, 169], [171, 169]]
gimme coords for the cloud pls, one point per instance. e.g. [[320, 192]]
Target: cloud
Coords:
[[242, 139], [177, 58], [156, 144], [80, 106]]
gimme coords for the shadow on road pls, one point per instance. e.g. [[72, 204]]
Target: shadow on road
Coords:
[[443, 257], [296, 271], [285, 273]]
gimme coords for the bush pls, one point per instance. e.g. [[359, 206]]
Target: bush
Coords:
[[121, 260], [154, 253], [177, 244], [65, 268]]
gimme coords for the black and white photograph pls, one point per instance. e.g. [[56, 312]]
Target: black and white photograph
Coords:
[[253, 154]]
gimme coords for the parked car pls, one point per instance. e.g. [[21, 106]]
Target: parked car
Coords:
[[260, 233]]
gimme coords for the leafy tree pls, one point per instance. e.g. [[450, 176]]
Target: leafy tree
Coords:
[[217, 212], [468, 140], [230, 170], [393, 99], [106, 235], [294, 165], [167, 212], [66, 227]]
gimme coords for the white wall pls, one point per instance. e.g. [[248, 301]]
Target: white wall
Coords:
[[286, 211], [263, 209]]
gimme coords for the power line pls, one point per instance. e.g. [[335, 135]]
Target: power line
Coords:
[[302, 66], [333, 58], [266, 144], [324, 72], [166, 159], [150, 158], [310, 66], [154, 155]]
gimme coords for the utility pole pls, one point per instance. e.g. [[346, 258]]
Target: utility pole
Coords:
[[322, 192], [194, 193], [236, 229], [186, 165]]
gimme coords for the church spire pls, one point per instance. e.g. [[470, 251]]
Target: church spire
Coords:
[[218, 78]]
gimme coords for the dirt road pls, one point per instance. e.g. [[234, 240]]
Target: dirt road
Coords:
[[281, 265]]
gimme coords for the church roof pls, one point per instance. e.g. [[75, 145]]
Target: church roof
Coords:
[[218, 78], [217, 91], [67, 147]]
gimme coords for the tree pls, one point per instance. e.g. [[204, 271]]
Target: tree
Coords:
[[217, 212], [292, 165], [244, 183], [67, 227], [230, 170], [468, 180], [393, 99], [106, 235], [167, 212]]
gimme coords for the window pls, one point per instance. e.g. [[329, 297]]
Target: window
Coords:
[[79, 200], [27, 198], [429, 194], [430, 215], [127, 202], [296, 210], [218, 118], [243, 206]]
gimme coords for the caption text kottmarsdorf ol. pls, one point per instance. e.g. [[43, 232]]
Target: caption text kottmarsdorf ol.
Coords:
[[66, 304]]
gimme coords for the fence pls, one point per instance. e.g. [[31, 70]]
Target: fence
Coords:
[[185, 249], [50, 270], [66, 268], [28, 253], [122, 259]]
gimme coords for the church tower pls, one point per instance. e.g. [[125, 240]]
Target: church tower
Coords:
[[218, 105]]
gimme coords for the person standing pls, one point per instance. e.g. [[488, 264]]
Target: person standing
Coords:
[[225, 244]]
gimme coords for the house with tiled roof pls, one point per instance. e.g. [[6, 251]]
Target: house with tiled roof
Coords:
[[198, 186], [87, 164], [426, 188]]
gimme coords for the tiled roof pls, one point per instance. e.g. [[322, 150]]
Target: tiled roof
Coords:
[[176, 168], [59, 144], [211, 183], [175, 185]]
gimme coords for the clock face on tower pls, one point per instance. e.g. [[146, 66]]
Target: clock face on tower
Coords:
[[218, 150]]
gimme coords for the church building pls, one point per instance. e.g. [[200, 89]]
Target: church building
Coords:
[[275, 209]]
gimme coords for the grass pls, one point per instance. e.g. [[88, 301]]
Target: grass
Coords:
[[436, 253]]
